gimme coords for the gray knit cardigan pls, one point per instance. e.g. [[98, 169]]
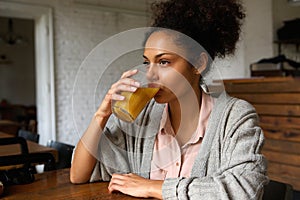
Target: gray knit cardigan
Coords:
[[229, 164]]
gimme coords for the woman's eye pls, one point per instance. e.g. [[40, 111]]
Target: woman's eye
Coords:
[[146, 63], [164, 62]]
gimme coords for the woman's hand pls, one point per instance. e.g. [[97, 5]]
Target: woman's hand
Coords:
[[124, 84], [134, 185]]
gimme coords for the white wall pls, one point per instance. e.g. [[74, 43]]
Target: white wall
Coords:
[[256, 40], [78, 29]]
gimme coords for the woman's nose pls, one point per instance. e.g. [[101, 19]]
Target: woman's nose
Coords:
[[152, 72]]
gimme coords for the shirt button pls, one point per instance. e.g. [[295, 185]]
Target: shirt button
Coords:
[[177, 164]]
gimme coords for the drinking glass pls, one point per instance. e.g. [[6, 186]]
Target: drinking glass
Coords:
[[134, 102]]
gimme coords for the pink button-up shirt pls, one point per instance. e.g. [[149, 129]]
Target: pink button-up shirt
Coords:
[[169, 159]]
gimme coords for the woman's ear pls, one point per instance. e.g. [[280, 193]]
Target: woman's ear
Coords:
[[201, 63]]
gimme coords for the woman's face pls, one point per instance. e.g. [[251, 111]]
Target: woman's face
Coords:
[[175, 77]]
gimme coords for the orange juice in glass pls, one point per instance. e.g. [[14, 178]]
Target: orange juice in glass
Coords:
[[129, 108]]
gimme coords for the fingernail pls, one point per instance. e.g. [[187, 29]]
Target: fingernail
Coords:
[[133, 89], [121, 98], [137, 84]]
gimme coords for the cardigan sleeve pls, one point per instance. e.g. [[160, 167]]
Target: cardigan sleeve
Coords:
[[240, 168], [112, 154], [127, 147]]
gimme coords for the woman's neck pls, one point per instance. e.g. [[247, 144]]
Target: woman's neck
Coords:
[[184, 115]]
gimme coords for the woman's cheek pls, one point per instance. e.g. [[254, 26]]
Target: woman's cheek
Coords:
[[176, 84]]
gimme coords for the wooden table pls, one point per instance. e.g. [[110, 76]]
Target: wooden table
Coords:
[[10, 127], [32, 148], [56, 185]]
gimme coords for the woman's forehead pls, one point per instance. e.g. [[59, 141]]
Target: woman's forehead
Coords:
[[162, 41]]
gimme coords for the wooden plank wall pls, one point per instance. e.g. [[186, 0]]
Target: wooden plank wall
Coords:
[[277, 102]]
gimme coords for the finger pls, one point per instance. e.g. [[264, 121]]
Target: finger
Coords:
[[128, 81], [131, 175], [116, 92], [115, 187], [117, 97], [126, 84], [119, 182], [129, 73], [116, 183]]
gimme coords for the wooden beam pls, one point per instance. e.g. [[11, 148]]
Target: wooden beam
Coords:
[[282, 146], [269, 98], [287, 135], [279, 110], [283, 158]]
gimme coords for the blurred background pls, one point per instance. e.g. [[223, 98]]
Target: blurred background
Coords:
[[44, 42]]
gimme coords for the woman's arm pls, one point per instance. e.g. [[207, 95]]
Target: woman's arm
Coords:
[[84, 158], [86, 149]]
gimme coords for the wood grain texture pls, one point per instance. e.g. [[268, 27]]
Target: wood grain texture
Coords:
[[56, 185], [277, 102]]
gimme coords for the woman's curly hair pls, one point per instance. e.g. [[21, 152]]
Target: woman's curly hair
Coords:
[[214, 24]]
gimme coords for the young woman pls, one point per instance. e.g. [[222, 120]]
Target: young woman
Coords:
[[188, 144]]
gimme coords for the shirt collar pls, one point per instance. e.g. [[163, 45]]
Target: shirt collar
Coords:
[[207, 103], [165, 123]]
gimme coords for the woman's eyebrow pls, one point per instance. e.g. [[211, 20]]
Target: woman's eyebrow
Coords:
[[159, 55]]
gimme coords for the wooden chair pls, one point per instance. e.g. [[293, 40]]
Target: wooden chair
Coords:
[[65, 152], [30, 158], [28, 135], [19, 168], [278, 191], [32, 126], [24, 174], [16, 140]]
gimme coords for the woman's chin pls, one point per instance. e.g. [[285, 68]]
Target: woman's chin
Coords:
[[163, 96], [159, 99]]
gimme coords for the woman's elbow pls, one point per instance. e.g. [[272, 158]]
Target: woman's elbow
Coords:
[[76, 178]]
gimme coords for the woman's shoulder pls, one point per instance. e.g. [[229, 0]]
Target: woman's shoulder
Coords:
[[240, 105], [233, 109], [238, 110], [233, 103]]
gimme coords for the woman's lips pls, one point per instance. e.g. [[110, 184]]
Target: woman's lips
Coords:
[[153, 85], [156, 85], [159, 92]]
